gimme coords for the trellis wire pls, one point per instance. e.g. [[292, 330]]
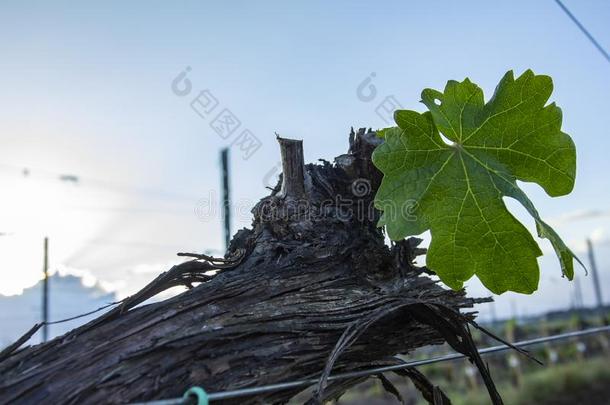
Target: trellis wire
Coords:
[[584, 30], [215, 396]]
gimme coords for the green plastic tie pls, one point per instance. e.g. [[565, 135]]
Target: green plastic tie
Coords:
[[197, 393]]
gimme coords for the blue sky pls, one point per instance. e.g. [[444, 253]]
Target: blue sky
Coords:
[[86, 90]]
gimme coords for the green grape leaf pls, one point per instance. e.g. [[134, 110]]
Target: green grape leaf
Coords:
[[455, 189]]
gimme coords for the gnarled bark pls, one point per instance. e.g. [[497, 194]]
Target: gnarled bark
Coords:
[[310, 288]]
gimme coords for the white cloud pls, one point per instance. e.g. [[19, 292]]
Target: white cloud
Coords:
[[598, 235], [578, 215]]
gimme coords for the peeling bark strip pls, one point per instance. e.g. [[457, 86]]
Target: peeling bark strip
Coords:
[[309, 290]]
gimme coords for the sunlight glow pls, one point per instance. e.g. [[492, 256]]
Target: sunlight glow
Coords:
[[35, 208]]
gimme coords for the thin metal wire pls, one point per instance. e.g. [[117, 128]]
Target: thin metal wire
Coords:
[[583, 29], [215, 396]]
